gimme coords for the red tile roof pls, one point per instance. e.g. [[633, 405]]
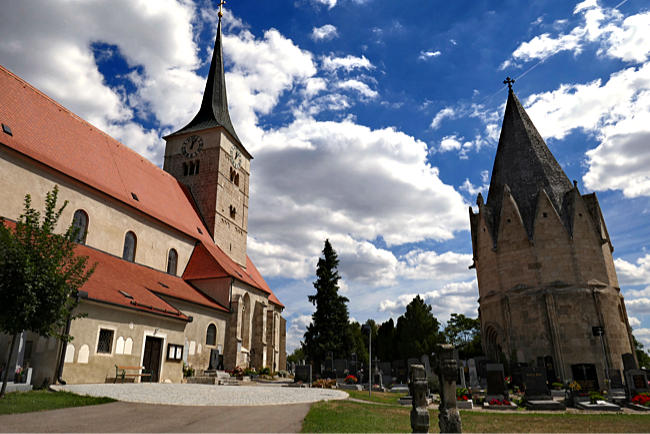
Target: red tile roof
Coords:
[[135, 286], [49, 133]]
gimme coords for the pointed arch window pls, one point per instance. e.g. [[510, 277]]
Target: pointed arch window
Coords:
[[80, 224], [211, 335], [130, 244], [172, 261]]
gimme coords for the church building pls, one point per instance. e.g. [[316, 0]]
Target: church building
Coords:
[[548, 291], [174, 285]]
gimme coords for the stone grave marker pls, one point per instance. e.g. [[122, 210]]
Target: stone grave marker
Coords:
[[340, 367], [636, 381], [424, 359], [616, 386], [461, 377], [537, 395], [496, 386], [419, 412], [303, 373], [628, 362], [473, 376], [447, 370]]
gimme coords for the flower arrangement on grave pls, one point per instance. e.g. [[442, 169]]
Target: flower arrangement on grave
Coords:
[[574, 386], [351, 379], [250, 371], [237, 372], [18, 377], [642, 399], [557, 386], [462, 394], [324, 383], [188, 371], [594, 397], [495, 401]]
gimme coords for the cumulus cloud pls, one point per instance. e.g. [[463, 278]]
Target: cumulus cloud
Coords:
[[324, 33], [358, 86], [620, 38], [633, 274], [643, 336], [347, 63], [445, 113], [329, 3]]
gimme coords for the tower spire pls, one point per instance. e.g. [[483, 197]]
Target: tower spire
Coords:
[[214, 106], [524, 163]]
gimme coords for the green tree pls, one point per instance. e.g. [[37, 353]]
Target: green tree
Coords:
[[328, 331], [39, 274], [641, 356], [359, 345], [297, 356], [386, 341], [465, 334], [417, 331]]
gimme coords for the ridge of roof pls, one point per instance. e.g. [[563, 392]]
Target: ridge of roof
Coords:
[[524, 163], [214, 105]]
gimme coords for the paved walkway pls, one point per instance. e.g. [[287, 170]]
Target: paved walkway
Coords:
[[205, 395], [135, 417]]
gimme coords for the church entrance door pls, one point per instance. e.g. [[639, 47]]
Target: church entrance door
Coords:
[[152, 358]]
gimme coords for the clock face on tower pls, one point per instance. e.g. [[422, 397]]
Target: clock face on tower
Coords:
[[235, 157], [191, 146]]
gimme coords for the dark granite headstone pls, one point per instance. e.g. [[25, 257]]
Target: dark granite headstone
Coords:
[[615, 379], [340, 366], [628, 362], [303, 373], [496, 385], [636, 381], [385, 368], [534, 381]]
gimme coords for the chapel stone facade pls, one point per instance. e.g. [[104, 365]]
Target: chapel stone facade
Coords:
[[543, 259]]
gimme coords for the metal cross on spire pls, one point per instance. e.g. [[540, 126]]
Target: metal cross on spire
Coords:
[[221, 3], [509, 81]]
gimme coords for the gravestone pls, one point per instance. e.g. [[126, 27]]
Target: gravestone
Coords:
[[616, 386], [340, 366], [447, 370], [496, 386], [424, 359], [628, 362], [536, 393], [473, 376], [385, 368], [461, 377], [303, 373], [419, 412], [636, 381]]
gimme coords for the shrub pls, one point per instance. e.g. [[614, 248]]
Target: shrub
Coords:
[[557, 386], [264, 371], [324, 383], [188, 371], [642, 399]]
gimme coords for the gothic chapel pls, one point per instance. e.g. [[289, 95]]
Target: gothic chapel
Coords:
[[174, 285], [548, 291]]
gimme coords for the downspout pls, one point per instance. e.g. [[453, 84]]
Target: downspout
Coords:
[[64, 345]]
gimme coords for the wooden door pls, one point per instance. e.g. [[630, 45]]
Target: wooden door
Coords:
[[152, 358]]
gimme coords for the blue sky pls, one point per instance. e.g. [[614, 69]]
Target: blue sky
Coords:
[[372, 123]]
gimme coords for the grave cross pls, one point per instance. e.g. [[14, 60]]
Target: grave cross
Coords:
[[509, 81]]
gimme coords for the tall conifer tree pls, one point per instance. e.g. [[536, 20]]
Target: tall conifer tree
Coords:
[[328, 331]]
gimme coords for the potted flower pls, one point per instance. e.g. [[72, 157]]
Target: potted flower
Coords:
[[594, 397], [641, 401], [463, 398], [351, 379], [18, 377]]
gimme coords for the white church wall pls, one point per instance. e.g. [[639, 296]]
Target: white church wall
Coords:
[[109, 219]]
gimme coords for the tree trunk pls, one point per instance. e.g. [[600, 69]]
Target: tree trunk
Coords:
[[6, 371]]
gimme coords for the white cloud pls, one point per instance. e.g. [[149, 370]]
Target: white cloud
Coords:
[[445, 113], [633, 274], [329, 3], [358, 86], [424, 55], [626, 39], [296, 328], [634, 321], [348, 63], [474, 190], [450, 143], [643, 336], [324, 33]]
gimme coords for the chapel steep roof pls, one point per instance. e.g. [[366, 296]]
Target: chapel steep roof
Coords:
[[214, 106], [524, 163]]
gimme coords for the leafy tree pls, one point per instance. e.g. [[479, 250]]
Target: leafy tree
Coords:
[[297, 356], [373, 330], [39, 274], [465, 334], [386, 341], [328, 331], [359, 344], [417, 330], [641, 356]]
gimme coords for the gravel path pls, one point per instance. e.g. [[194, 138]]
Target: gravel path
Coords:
[[205, 395]]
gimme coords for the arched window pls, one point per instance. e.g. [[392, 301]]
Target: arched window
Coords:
[[191, 168], [80, 223], [211, 335], [130, 243], [172, 261]]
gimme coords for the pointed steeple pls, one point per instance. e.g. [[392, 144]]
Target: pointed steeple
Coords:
[[214, 107], [525, 164]]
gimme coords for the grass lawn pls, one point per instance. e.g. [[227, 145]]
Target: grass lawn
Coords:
[[349, 416], [382, 397], [37, 400]]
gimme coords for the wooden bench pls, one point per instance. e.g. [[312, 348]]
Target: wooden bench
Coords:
[[121, 372]]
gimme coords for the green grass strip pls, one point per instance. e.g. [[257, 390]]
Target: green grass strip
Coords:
[[39, 400]]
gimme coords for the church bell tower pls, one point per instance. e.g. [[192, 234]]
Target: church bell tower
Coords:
[[209, 159]]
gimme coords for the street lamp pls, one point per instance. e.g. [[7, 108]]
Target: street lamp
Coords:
[[364, 328]]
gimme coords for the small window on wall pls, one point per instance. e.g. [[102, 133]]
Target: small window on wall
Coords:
[[80, 225], [172, 262], [130, 242], [211, 335], [174, 352], [105, 341]]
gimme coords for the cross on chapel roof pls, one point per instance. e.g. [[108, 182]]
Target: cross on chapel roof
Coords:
[[509, 81]]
